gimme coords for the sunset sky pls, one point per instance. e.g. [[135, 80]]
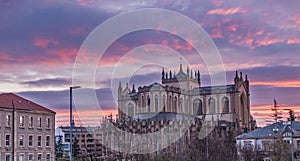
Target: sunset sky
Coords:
[[40, 39]]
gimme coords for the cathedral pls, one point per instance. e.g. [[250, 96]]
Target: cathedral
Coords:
[[182, 93]]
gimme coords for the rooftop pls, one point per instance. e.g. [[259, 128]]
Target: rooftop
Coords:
[[10, 101], [272, 131]]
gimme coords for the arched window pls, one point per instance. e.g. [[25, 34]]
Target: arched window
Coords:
[[197, 107], [212, 106], [142, 102], [175, 104], [181, 105], [130, 110], [225, 103], [164, 103], [148, 103], [170, 103], [156, 103], [242, 109]]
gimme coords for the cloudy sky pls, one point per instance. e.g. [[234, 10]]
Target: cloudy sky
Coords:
[[40, 40]]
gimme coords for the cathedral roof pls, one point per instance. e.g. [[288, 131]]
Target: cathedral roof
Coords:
[[155, 84], [162, 116], [210, 89]]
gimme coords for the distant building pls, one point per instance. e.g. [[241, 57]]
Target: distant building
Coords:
[[262, 141], [183, 93], [27, 130], [88, 139]]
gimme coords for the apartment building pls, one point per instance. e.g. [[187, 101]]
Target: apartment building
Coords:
[[27, 130], [88, 139]]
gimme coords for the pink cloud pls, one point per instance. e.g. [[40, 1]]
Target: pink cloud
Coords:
[[225, 12], [79, 31], [44, 42], [232, 27], [5, 57], [293, 41]]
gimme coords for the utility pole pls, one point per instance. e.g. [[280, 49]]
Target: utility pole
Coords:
[[276, 113], [71, 121]]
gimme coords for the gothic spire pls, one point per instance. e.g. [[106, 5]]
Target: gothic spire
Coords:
[[133, 89]]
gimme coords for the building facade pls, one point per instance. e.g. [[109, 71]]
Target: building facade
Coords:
[[88, 140], [27, 130], [183, 93], [272, 142]]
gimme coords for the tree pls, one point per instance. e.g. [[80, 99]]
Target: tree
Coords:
[[75, 148], [281, 150], [58, 148]]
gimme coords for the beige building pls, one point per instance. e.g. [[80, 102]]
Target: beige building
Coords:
[[183, 93], [27, 130]]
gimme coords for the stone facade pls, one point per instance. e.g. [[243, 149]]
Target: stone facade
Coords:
[[183, 93], [27, 130]]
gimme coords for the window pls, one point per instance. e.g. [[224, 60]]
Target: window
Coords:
[[7, 139], [298, 144], [39, 157], [211, 105], [266, 145], [40, 122], [21, 140], [30, 122], [143, 102], [164, 103], [248, 144], [7, 157], [175, 104], [181, 105], [197, 107], [30, 157], [39, 141], [48, 123], [169, 104], [156, 103], [225, 103], [130, 109], [30, 140], [47, 140], [21, 157], [22, 120], [48, 157], [8, 120], [148, 103]]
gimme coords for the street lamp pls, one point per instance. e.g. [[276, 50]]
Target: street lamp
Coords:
[[71, 122]]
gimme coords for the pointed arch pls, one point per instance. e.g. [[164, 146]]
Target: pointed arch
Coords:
[[164, 103], [242, 108], [175, 104], [156, 103], [181, 105], [197, 107], [148, 103], [225, 105], [211, 105]]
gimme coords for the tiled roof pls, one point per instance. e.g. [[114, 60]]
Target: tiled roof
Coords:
[[8, 100], [268, 131]]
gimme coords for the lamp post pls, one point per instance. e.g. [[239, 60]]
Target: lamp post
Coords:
[[71, 121]]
